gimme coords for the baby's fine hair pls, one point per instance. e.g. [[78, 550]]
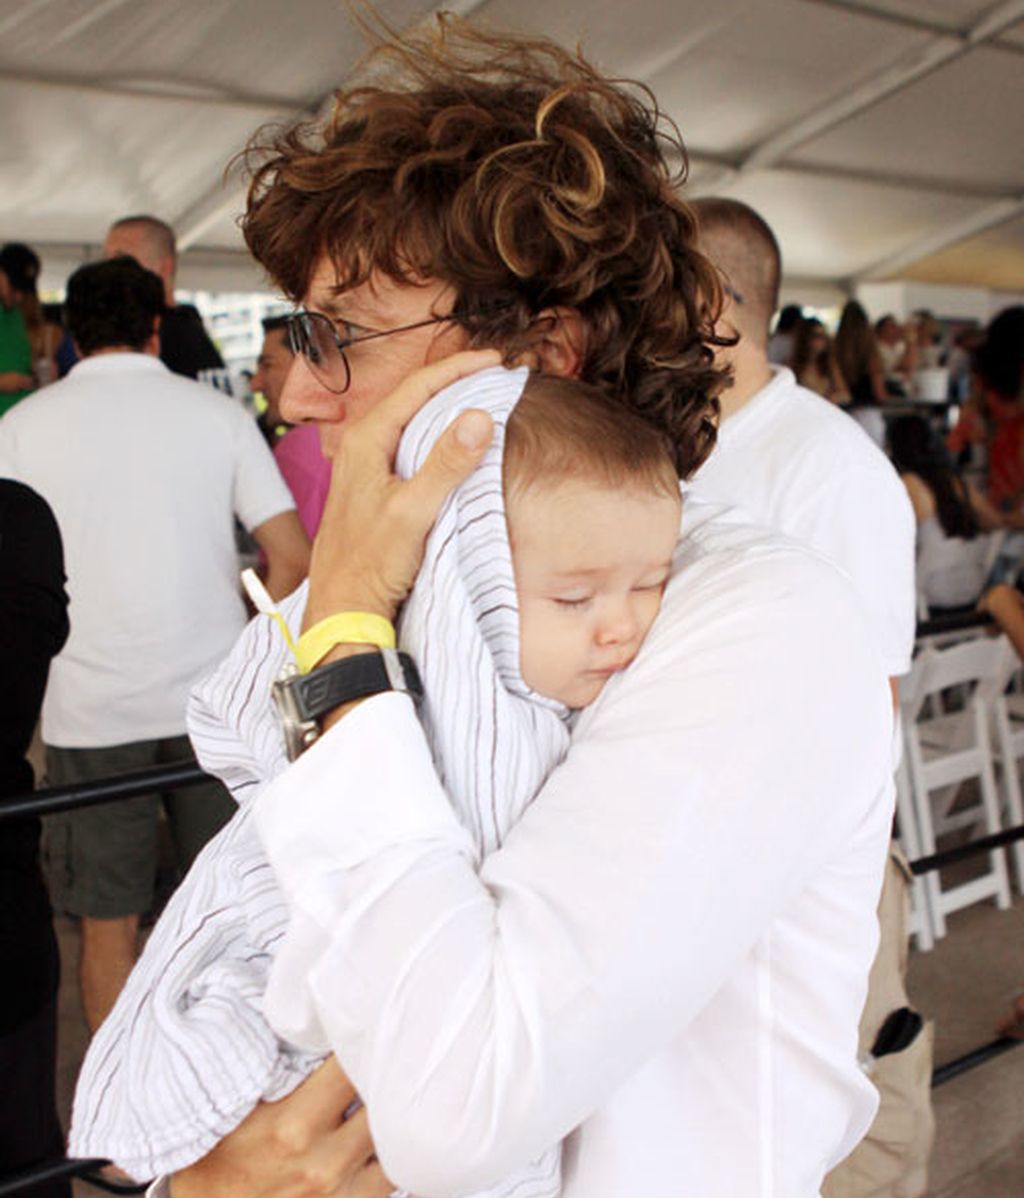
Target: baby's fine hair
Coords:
[[565, 429]]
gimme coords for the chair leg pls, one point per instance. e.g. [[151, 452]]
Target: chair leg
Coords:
[[926, 832], [1010, 778], [920, 924], [990, 803]]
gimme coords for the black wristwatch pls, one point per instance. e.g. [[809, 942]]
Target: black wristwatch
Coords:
[[303, 700]]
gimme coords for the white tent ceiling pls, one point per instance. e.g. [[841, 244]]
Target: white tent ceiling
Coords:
[[880, 139]]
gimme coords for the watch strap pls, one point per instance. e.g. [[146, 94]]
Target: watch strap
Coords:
[[357, 677]]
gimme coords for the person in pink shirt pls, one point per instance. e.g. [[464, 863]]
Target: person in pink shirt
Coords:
[[297, 451]]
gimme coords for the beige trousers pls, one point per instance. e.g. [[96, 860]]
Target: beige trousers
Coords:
[[892, 1159]]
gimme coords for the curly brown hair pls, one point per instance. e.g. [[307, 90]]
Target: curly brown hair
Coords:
[[512, 170]]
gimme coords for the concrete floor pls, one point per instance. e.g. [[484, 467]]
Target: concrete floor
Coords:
[[964, 984]]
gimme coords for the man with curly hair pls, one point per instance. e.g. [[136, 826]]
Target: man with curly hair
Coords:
[[665, 961]]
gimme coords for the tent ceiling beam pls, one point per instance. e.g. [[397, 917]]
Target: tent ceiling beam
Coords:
[[918, 61], [906, 20], [941, 239], [726, 170], [163, 90]]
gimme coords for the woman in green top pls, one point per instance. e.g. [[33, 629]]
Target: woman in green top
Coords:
[[16, 379]]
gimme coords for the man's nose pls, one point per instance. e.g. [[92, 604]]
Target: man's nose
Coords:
[[304, 398]]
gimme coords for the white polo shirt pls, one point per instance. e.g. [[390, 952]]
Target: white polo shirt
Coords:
[[667, 959], [796, 463], [144, 471]]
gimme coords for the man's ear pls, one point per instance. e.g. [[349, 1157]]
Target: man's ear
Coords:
[[153, 344], [560, 342]]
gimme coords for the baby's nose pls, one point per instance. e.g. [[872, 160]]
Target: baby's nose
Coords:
[[618, 626]]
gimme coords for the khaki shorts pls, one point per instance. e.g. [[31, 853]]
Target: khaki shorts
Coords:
[[101, 861]]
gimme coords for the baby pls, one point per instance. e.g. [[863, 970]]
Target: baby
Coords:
[[592, 504], [540, 581]]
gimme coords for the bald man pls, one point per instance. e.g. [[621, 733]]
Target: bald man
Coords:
[[796, 463], [185, 346]]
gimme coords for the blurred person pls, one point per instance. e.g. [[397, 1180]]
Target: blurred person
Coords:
[[951, 514], [185, 345], [144, 471], [928, 335], [796, 464], [814, 364], [272, 366], [961, 355], [780, 344], [898, 352], [16, 377], [858, 357], [33, 627], [22, 266], [994, 416], [296, 449], [860, 366]]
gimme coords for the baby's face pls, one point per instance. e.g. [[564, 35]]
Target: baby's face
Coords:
[[591, 563]]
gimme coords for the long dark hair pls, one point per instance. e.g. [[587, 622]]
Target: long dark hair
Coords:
[[915, 449], [856, 349], [999, 360]]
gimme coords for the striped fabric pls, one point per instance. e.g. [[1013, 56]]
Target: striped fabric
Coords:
[[186, 1053]]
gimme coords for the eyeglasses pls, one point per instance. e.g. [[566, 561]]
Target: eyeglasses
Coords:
[[315, 337]]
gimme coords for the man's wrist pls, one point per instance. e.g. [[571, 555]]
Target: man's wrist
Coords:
[[323, 607]]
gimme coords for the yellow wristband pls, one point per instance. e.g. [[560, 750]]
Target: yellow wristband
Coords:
[[344, 628]]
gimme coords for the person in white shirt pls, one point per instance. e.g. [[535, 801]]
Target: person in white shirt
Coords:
[[665, 961], [797, 464], [145, 472], [792, 462]]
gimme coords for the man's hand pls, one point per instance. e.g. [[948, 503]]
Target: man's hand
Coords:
[[13, 380], [300, 1147], [370, 542]]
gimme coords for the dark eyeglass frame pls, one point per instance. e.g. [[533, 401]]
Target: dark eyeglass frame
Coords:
[[302, 326]]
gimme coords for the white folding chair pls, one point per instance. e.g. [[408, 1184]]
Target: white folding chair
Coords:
[[907, 832], [1007, 712], [945, 750]]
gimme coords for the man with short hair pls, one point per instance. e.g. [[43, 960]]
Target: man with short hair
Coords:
[[145, 472], [185, 345], [797, 464], [296, 450]]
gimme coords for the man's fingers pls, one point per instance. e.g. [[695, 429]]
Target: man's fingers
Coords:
[[370, 1182], [453, 459], [389, 418], [343, 1162], [322, 1099]]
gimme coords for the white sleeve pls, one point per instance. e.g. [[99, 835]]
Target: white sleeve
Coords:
[[864, 523], [483, 1010], [259, 492]]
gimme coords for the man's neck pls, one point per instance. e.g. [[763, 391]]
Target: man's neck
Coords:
[[751, 372]]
